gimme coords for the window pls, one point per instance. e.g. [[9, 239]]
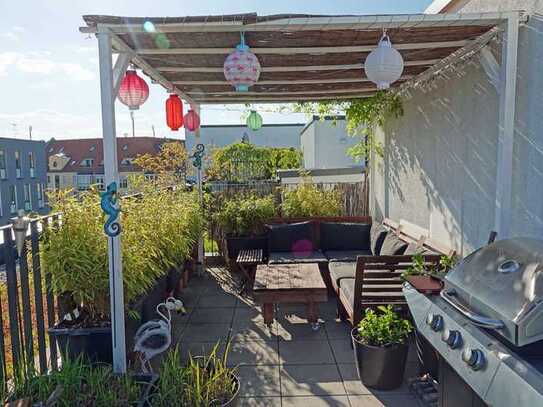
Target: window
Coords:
[[127, 161], [125, 147], [84, 181], [87, 162], [32, 164], [3, 172], [151, 177], [92, 148], [27, 197], [99, 181], [57, 182], [41, 195], [123, 182], [17, 163], [12, 199]]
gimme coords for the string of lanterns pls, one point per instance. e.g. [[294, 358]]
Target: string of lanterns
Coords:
[[383, 66]]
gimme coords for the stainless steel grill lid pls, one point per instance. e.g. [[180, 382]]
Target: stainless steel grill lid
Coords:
[[500, 286]]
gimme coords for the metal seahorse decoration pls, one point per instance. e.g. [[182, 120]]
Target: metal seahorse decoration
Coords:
[[111, 208], [197, 156]]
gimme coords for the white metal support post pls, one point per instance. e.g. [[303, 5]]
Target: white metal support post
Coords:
[[112, 176], [198, 140], [504, 175]]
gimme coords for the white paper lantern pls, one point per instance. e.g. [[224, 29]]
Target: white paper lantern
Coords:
[[384, 65]]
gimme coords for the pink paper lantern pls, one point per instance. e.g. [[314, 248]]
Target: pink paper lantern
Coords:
[[133, 91], [242, 68]]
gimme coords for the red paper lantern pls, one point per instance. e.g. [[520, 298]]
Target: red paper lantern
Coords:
[[174, 112], [133, 91], [192, 120]]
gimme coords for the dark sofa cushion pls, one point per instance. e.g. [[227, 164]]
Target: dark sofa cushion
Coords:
[[377, 236], [345, 255], [340, 271], [294, 237], [297, 257], [344, 236], [393, 245]]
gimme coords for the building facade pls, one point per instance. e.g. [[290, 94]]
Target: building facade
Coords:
[[440, 162], [324, 144], [79, 163], [22, 177], [269, 135]]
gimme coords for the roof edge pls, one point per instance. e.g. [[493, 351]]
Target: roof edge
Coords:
[[438, 6]]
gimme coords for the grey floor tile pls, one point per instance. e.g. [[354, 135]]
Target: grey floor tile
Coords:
[[259, 381], [259, 402], [288, 330], [196, 349], [305, 352], [219, 299], [212, 315], [311, 380], [205, 332], [354, 386], [328, 401], [253, 353], [343, 353], [383, 401], [337, 329], [254, 331]]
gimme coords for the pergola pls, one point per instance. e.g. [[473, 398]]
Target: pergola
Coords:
[[303, 58]]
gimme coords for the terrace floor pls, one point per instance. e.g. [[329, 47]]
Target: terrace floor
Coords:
[[287, 365]]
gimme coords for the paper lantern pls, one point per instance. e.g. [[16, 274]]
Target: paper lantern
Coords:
[[192, 120], [254, 121], [242, 68], [133, 91], [174, 112], [384, 65]]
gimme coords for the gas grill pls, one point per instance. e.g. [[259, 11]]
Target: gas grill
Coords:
[[487, 326]]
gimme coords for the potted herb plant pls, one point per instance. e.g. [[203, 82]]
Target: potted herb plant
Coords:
[[380, 348], [204, 381], [428, 280]]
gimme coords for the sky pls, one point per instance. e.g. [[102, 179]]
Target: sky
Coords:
[[49, 77]]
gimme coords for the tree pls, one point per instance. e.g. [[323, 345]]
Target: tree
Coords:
[[169, 164]]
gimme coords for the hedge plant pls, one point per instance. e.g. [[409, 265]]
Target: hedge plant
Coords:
[[159, 229], [308, 200], [245, 215]]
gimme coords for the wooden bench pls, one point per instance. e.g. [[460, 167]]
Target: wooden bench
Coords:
[[378, 278]]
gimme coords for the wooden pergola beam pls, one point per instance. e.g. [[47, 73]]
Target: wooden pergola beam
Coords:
[[286, 81], [306, 68], [300, 50], [284, 93], [278, 99]]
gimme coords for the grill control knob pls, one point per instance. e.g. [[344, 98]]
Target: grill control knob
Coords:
[[474, 358], [453, 338], [435, 322]]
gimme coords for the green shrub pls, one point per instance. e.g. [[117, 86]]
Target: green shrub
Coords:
[[308, 200], [246, 215], [384, 329], [159, 230]]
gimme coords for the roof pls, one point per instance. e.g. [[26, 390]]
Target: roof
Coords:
[[303, 57], [440, 6], [80, 149]]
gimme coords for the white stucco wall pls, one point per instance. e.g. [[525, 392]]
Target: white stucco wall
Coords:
[[439, 169], [474, 6], [325, 144]]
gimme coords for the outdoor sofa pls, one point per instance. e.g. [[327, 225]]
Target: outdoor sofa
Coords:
[[360, 261]]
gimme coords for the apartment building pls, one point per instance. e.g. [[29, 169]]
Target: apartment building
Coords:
[[22, 177]]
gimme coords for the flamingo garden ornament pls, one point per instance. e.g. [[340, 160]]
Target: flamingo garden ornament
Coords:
[[384, 65], [242, 68], [155, 337]]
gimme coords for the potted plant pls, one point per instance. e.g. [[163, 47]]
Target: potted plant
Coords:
[[159, 230], [77, 383], [241, 221], [380, 348], [428, 280], [204, 381]]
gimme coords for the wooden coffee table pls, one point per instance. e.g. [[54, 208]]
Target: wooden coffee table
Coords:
[[289, 283]]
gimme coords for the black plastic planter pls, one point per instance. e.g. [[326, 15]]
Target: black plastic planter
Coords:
[[379, 367], [93, 344]]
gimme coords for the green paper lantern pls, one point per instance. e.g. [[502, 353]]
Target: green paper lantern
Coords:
[[254, 121]]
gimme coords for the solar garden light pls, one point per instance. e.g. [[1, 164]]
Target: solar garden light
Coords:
[[20, 227]]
